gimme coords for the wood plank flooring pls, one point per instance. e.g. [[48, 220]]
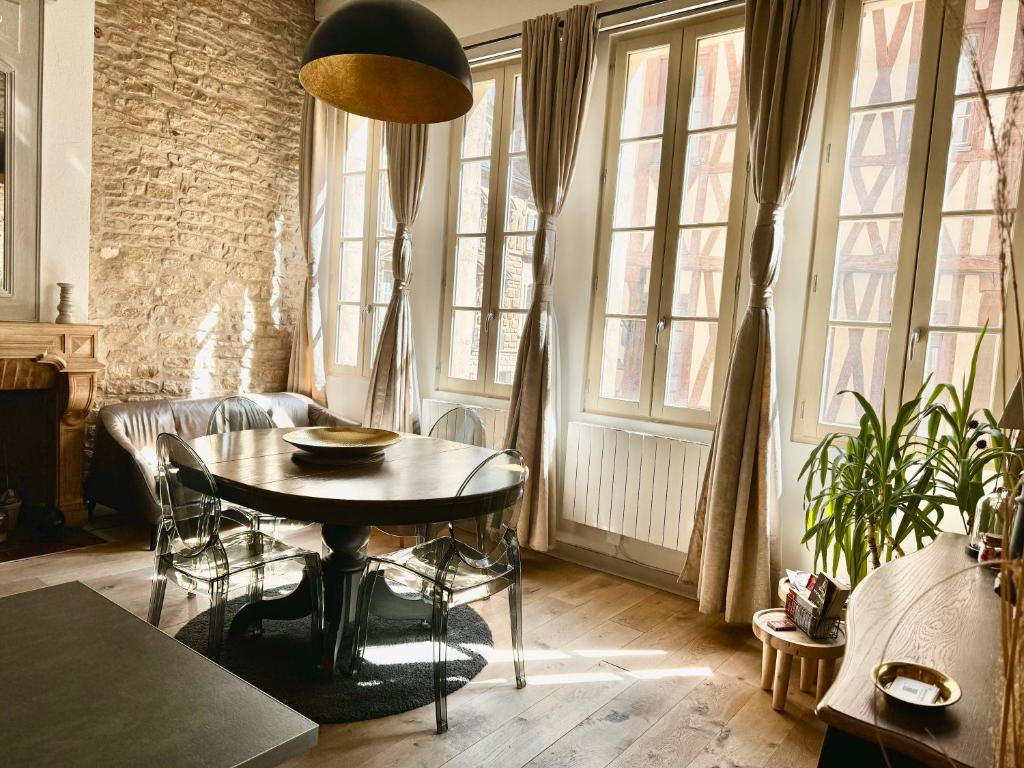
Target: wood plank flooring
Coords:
[[619, 675]]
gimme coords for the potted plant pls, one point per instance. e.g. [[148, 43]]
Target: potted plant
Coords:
[[868, 492]]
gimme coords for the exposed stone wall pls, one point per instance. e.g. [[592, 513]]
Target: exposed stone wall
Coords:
[[196, 266]]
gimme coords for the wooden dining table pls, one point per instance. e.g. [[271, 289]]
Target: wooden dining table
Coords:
[[416, 484]]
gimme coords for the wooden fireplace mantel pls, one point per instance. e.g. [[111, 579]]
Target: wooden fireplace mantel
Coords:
[[66, 357]]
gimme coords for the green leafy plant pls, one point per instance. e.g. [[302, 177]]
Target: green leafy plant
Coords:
[[968, 445], [867, 493]]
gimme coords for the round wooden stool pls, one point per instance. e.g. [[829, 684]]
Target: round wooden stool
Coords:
[[779, 649]]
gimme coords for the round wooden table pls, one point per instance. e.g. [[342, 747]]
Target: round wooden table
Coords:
[[415, 484]]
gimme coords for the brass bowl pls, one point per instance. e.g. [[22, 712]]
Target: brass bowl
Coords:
[[884, 673], [337, 441]]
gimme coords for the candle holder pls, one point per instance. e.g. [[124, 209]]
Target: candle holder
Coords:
[[65, 305]]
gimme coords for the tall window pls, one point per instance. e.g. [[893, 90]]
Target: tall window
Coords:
[[492, 219], [906, 267], [671, 223], [361, 276]]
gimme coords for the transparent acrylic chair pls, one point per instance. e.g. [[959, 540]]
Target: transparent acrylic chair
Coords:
[[192, 553], [461, 425], [460, 567], [239, 413]]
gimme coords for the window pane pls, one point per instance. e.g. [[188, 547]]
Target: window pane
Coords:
[[691, 362], [966, 290], [643, 112], [379, 312], [878, 152], [347, 343], [636, 184], [385, 216], [971, 172], [700, 259], [469, 272], [517, 272], [510, 330], [357, 138], [353, 201], [478, 127], [716, 81], [465, 351], [629, 273], [517, 141], [707, 184], [521, 213], [992, 31], [855, 359], [622, 358], [350, 273], [865, 273], [474, 185], [949, 358], [888, 52], [383, 278]]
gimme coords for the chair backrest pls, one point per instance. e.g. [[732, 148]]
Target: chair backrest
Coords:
[[237, 414], [500, 480], [461, 425], [188, 496]]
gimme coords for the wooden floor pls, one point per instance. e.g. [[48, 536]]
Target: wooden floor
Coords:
[[619, 674]]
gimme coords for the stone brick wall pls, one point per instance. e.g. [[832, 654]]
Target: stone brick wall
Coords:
[[196, 264]]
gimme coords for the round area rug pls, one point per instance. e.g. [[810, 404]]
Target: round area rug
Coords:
[[395, 675]]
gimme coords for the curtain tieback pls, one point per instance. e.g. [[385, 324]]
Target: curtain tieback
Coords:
[[401, 287], [543, 293], [764, 262]]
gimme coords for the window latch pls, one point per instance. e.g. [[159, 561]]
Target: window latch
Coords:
[[488, 319], [657, 331], [915, 337]]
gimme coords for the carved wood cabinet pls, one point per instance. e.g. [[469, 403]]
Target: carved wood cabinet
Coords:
[[66, 359]]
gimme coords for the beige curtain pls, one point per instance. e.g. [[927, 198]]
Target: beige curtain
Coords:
[[306, 374], [733, 548], [393, 401], [557, 75]]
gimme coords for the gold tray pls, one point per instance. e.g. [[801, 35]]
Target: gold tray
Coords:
[[887, 671], [342, 441]]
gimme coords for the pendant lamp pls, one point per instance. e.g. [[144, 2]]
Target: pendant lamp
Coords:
[[389, 60]]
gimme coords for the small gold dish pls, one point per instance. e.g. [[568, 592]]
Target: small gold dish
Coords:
[[885, 673], [348, 441]]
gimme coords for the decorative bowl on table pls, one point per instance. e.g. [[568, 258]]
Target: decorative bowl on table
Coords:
[[885, 674], [342, 442]]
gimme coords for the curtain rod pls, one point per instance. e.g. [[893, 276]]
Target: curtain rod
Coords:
[[696, 8]]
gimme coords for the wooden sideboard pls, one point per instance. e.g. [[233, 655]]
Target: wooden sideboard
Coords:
[[67, 358], [936, 607]]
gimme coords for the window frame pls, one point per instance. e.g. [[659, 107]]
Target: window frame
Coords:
[[917, 257], [374, 173], [682, 37], [500, 156]]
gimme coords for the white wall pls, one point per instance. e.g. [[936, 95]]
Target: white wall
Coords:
[[66, 153], [575, 264]]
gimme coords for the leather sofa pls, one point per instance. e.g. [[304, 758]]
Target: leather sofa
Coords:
[[122, 474]]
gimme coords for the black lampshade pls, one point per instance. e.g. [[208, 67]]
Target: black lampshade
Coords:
[[390, 60]]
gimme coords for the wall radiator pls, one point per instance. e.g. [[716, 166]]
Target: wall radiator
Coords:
[[493, 419], [641, 486]]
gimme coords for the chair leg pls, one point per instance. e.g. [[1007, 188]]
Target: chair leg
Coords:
[[439, 643], [515, 609], [156, 592], [256, 593], [154, 535], [218, 599], [362, 617], [315, 577]]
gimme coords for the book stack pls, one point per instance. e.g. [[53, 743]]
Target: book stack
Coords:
[[816, 604]]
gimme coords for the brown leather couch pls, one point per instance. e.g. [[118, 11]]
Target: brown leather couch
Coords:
[[122, 474]]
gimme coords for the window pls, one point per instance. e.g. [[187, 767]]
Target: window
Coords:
[[361, 276], [906, 266], [492, 219], [671, 223]]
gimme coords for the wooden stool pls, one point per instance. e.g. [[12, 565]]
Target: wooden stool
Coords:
[[779, 649]]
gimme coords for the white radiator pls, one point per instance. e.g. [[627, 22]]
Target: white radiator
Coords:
[[493, 419], [641, 486]]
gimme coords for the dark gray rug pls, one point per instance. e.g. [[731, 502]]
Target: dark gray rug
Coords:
[[395, 676]]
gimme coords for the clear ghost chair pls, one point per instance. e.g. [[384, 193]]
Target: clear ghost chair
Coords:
[[461, 425], [192, 553], [238, 413], [457, 568]]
